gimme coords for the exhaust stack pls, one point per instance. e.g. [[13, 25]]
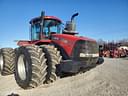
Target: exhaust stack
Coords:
[[73, 16], [70, 27]]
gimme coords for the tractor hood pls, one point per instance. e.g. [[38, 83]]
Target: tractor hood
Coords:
[[71, 42]]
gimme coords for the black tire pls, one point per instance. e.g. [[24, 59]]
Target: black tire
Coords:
[[53, 58], [7, 61], [30, 69]]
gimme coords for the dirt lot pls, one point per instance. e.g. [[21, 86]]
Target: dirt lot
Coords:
[[108, 79]]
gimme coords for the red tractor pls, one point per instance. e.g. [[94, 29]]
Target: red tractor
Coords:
[[51, 52]]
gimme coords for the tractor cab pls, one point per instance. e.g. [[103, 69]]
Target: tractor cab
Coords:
[[42, 27]]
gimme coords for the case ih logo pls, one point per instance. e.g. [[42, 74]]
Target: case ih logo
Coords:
[[62, 40]]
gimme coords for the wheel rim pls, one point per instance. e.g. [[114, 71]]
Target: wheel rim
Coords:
[[1, 62], [21, 67]]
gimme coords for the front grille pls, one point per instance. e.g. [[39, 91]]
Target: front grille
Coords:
[[90, 47], [84, 47]]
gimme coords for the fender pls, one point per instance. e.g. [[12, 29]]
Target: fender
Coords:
[[35, 42]]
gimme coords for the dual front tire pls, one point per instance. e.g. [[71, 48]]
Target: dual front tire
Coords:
[[36, 65], [30, 68]]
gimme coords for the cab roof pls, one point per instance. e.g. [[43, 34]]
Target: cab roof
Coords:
[[46, 18]]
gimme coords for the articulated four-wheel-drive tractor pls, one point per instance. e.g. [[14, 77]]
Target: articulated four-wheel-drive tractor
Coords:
[[52, 51]]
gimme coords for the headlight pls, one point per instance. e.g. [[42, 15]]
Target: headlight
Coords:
[[89, 55]]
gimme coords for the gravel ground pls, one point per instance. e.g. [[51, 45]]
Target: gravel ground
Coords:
[[108, 79]]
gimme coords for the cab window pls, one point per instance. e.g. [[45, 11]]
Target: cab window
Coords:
[[35, 29]]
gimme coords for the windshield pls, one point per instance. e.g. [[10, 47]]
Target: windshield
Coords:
[[49, 27]]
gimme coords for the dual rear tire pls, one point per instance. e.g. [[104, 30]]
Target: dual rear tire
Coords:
[[7, 61]]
